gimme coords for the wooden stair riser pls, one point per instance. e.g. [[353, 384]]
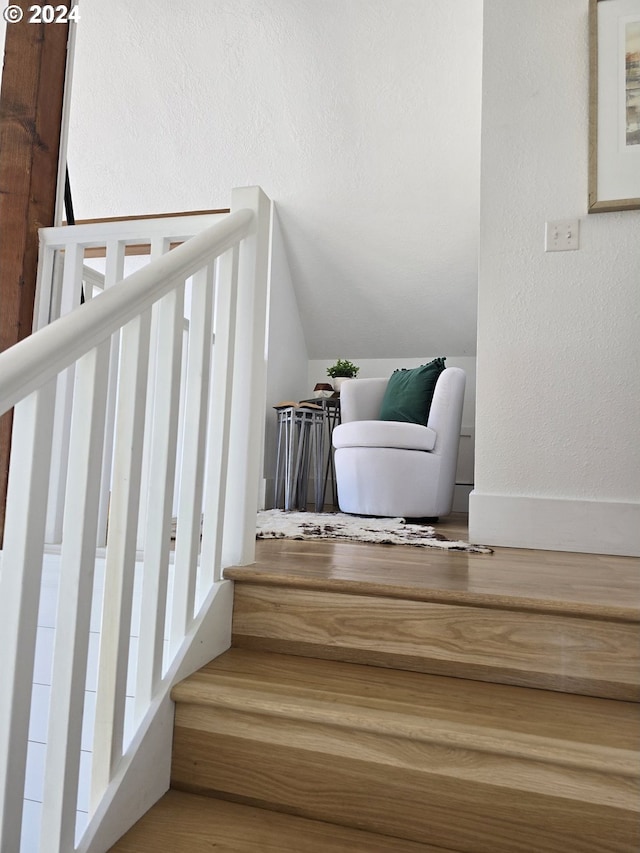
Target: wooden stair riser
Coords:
[[417, 705], [460, 799], [589, 656], [526, 764]]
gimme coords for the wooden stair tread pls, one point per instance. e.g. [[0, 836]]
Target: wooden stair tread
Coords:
[[188, 823], [466, 766], [580, 730], [607, 587]]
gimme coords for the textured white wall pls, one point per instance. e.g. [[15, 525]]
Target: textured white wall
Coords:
[[360, 118], [558, 336]]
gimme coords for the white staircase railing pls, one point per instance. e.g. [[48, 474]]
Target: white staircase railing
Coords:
[[63, 273], [220, 471]]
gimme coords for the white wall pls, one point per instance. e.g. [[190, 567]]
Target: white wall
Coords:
[[360, 118], [557, 450]]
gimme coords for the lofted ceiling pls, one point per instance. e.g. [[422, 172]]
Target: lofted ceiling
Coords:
[[360, 118]]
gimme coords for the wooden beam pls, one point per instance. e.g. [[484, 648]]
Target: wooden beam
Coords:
[[151, 216], [31, 102]]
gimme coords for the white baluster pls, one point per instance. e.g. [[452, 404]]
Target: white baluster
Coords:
[[181, 414], [56, 287], [44, 286], [121, 552], [219, 419], [20, 595], [246, 449], [77, 568], [114, 271], [70, 299], [159, 246], [193, 456], [162, 465]]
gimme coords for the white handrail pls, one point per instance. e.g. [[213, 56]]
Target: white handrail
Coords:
[[31, 363], [62, 278]]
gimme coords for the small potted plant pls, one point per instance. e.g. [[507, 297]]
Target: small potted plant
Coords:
[[341, 370]]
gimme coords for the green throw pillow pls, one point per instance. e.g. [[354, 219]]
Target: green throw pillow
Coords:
[[410, 392]]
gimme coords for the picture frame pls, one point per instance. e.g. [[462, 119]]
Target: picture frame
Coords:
[[614, 105]]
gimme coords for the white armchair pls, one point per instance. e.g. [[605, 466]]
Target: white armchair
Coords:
[[387, 468]]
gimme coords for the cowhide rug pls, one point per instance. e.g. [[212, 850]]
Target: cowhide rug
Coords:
[[278, 524]]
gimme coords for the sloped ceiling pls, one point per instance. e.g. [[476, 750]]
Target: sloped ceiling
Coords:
[[360, 118]]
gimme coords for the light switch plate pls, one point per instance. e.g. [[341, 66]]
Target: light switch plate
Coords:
[[562, 235]]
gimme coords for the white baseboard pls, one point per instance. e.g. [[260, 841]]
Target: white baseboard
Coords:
[[553, 524]]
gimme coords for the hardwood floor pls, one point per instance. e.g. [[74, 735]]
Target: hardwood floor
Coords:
[[547, 581], [334, 722]]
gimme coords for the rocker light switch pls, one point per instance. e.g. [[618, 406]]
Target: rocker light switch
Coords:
[[562, 235]]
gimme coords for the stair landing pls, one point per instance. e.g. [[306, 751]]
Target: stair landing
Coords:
[[549, 581]]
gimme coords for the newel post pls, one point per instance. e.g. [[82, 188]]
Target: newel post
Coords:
[[248, 403]]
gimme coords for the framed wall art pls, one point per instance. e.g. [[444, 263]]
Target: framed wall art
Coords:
[[614, 105]]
